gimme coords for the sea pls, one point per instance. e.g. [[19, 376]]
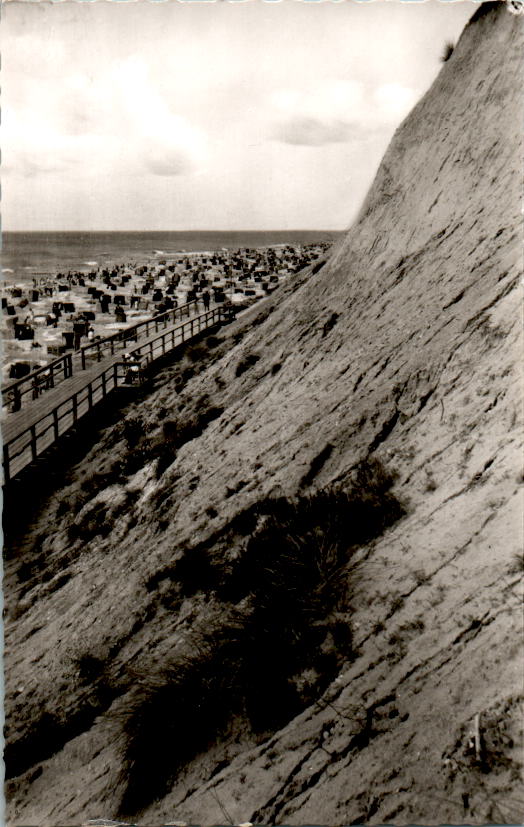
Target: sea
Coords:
[[26, 255]]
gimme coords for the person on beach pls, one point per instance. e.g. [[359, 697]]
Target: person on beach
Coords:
[[206, 300]]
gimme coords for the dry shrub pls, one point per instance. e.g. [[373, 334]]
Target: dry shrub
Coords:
[[176, 433], [449, 48], [246, 363], [177, 710], [144, 447], [284, 563]]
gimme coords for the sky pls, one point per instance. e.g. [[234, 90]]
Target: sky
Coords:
[[198, 115]]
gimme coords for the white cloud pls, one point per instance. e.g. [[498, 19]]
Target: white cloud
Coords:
[[172, 114], [336, 111], [167, 160], [118, 123], [304, 131], [333, 98]]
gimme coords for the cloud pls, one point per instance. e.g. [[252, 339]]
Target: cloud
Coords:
[[168, 160], [30, 165], [113, 125], [304, 131], [336, 111]]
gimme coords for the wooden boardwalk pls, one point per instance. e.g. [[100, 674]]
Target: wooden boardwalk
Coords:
[[41, 421]]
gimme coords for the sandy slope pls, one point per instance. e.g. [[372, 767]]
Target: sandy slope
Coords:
[[406, 347]]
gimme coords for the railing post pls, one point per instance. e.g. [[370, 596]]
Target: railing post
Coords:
[[90, 396], [192, 328], [83, 358], [7, 475], [115, 375], [17, 401], [55, 422], [75, 408], [104, 384], [112, 348], [33, 441]]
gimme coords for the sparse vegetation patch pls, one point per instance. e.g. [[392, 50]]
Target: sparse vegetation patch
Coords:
[[246, 363], [278, 582], [447, 51]]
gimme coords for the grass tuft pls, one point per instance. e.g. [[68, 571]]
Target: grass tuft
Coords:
[[246, 363], [178, 710], [449, 48], [278, 576]]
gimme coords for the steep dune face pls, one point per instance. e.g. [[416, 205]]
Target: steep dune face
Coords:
[[403, 348]]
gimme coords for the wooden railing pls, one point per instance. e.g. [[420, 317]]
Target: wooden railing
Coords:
[[24, 448], [27, 446], [175, 336], [34, 383], [121, 340], [48, 376]]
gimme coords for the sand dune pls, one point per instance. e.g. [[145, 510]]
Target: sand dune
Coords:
[[401, 353]]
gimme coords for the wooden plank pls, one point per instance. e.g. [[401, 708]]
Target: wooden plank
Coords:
[[56, 410], [33, 441], [65, 363]]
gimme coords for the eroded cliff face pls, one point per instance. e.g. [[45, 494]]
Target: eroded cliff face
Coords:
[[403, 350]]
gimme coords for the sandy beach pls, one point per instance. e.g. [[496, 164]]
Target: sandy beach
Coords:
[[57, 312]]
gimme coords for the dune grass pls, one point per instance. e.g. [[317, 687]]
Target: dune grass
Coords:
[[276, 635], [447, 51]]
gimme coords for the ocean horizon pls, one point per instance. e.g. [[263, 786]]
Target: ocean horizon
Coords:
[[39, 252]]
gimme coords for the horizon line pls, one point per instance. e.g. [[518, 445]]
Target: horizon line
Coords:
[[201, 230]]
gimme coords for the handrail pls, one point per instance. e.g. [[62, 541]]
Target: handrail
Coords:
[[32, 384], [37, 437], [127, 332], [63, 363]]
